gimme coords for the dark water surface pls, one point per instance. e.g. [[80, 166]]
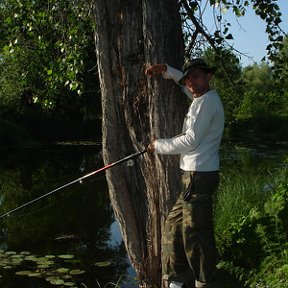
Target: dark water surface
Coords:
[[71, 238]]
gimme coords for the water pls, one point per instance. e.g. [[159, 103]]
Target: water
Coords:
[[74, 230], [77, 220]]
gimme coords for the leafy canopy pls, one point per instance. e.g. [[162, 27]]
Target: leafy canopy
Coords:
[[44, 45]]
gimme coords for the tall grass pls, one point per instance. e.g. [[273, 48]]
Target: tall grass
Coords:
[[251, 226], [240, 190]]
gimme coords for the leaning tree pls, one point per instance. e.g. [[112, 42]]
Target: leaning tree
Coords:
[[130, 35]]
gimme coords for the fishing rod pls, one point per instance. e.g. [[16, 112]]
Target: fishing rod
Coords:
[[134, 155]]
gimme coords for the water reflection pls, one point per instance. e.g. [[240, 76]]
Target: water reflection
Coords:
[[79, 220], [75, 220]]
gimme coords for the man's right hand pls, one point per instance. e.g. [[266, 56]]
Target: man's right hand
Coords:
[[156, 69], [151, 147]]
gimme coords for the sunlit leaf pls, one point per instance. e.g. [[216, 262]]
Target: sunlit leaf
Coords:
[[102, 264], [31, 258], [50, 256], [56, 281], [10, 253], [62, 270], [66, 256], [69, 284], [25, 253], [34, 274], [77, 272], [23, 273]]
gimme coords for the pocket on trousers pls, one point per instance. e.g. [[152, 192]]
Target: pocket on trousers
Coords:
[[197, 213]]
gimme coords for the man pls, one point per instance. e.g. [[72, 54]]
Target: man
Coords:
[[188, 245]]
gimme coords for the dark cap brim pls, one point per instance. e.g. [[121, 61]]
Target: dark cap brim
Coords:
[[206, 69]]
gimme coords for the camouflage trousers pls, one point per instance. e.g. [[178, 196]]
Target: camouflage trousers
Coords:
[[188, 244]]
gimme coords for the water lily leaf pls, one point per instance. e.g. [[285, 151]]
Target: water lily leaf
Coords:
[[31, 258], [10, 253], [16, 261], [62, 270], [77, 272], [102, 264], [54, 280], [4, 263], [50, 256], [23, 273], [44, 261], [17, 256], [25, 253], [69, 284], [67, 256], [34, 274], [43, 266]]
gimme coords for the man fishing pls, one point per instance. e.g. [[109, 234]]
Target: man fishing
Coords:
[[188, 244]]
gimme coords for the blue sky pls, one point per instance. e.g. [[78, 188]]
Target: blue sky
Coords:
[[249, 33]]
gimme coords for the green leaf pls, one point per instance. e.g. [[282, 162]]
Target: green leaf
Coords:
[[77, 272], [102, 264], [23, 273], [229, 36], [66, 256]]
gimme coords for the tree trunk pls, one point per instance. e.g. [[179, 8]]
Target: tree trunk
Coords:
[[130, 34]]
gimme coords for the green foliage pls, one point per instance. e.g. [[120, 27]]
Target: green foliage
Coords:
[[262, 106], [47, 67], [269, 11], [254, 247], [49, 43], [259, 77], [219, 36], [259, 105], [226, 80], [280, 67], [238, 194]]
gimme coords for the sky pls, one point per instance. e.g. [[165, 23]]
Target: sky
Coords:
[[249, 33]]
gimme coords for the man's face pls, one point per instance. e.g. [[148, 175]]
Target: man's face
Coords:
[[197, 81]]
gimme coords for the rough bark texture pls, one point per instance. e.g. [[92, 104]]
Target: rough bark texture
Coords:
[[129, 35]]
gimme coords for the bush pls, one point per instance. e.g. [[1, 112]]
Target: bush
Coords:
[[253, 246]]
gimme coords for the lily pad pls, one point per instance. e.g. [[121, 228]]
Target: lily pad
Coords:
[[44, 261], [23, 273], [69, 284], [77, 272], [25, 253], [31, 258], [50, 256], [66, 256], [10, 253], [34, 274], [54, 280], [62, 270], [43, 266], [102, 264]]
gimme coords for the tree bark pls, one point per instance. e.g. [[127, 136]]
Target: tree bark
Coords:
[[130, 34]]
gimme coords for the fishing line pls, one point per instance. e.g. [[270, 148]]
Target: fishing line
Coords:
[[63, 197], [79, 180]]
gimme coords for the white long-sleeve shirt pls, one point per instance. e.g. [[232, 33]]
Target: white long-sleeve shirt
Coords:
[[202, 131]]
